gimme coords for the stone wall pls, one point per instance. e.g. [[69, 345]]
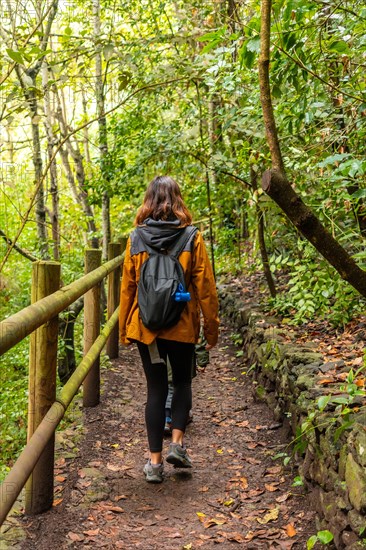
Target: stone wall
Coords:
[[332, 460]]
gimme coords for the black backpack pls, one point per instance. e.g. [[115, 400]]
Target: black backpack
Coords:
[[162, 284]]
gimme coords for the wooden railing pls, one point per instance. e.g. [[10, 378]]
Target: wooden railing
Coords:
[[34, 468]]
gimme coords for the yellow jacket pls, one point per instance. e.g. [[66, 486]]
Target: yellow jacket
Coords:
[[203, 297]]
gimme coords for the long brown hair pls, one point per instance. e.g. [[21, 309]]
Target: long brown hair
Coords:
[[163, 201]]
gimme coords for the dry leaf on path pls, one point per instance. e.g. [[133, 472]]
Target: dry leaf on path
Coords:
[[271, 488], [271, 516], [92, 532], [290, 530], [75, 537]]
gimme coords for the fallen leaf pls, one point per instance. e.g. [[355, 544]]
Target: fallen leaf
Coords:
[[326, 381], [244, 482], [271, 488], [273, 470], [213, 521], [271, 516], [60, 478], [174, 535], [283, 497], [290, 530], [252, 460], [113, 467], [116, 509], [236, 537], [92, 532], [203, 489], [57, 501], [75, 537]]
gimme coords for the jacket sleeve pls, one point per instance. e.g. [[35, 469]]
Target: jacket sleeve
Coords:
[[128, 292], [204, 285]]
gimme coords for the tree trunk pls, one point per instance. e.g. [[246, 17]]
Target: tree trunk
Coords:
[[85, 129], [51, 142], [79, 192], [67, 361], [261, 239], [40, 206], [102, 124], [265, 90], [279, 189]]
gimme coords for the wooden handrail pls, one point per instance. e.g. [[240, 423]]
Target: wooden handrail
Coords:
[[21, 324], [18, 475]]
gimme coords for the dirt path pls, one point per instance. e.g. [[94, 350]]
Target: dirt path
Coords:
[[236, 492]]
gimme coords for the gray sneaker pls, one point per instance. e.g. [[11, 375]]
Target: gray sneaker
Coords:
[[178, 456], [154, 472]]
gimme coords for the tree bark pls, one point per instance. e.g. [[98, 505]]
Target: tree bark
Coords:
[[261, 238], [67, 362], [279, 189], [79, 192], [265, 90], [102, 125], [51, 142]]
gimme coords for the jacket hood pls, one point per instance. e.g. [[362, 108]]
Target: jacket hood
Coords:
[[160, 234]]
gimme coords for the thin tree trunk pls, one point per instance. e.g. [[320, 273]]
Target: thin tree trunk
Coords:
[[261, 239], [85, 129], [102, 124], [51, 142], [265, 90], [79, 192], [208, 185], [40, 207]]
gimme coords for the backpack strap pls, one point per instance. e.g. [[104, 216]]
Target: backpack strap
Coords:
[[187, 234]]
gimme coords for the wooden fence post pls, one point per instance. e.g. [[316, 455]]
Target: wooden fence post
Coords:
[[42, 387], [91, 385], [114, 250]]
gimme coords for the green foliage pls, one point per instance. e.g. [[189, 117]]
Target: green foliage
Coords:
[[324, 537], [13, 403], [313, 288]]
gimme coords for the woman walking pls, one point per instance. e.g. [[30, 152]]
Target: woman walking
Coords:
[[159, 223]]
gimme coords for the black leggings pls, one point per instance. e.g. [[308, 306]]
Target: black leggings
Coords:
[[181, 357]]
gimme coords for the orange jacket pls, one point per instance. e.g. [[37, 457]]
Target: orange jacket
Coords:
[[203, 297]]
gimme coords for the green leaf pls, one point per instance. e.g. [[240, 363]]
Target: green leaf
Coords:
[[15, 56], [311, 542], [339, 46], [298, 482], [325, 536], [253, 45], [211, 46], [323, 402], [340, 400]]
